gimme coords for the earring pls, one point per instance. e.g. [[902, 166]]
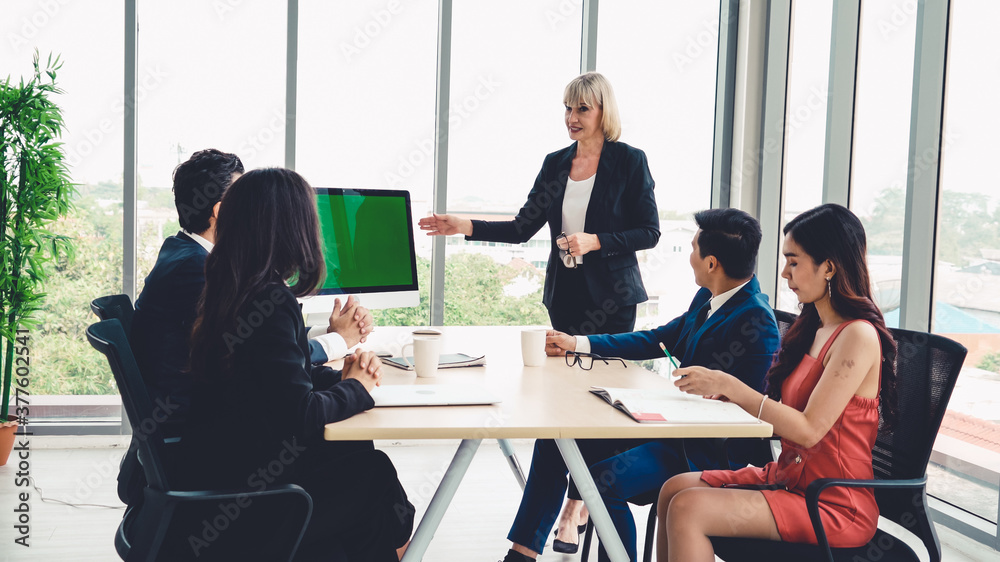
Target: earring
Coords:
[[829, 288]]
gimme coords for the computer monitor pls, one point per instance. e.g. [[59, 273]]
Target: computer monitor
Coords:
[[367, 237]]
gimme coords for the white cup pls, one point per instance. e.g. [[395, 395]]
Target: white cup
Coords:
[[533, 347], [426, 352]]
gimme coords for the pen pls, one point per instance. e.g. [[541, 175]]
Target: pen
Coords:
[[670, 357]]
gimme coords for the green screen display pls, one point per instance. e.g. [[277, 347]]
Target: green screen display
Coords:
[[367, 240]]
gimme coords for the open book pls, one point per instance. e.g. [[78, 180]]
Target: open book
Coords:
[[671, 406], [446, 361]]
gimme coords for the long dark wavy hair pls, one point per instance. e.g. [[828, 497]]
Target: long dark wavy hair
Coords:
[[832, 232], [267, 232]]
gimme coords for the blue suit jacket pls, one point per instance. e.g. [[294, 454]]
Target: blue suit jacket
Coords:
[[740, 338], [164, 315], [622, 213]]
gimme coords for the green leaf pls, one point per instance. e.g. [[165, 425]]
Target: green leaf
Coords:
[[34, 191]]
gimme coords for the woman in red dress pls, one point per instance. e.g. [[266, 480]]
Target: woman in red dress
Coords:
[[832, 372]]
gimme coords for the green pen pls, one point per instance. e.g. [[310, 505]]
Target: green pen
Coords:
[[670, 357]]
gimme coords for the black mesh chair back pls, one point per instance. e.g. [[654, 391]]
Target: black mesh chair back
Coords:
[[927, 368], [186, 525], [115, 306], [785, 321]]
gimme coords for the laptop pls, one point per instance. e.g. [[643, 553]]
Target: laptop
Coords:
[[432, 395]]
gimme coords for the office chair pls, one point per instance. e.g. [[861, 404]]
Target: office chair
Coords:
[[647, 498], [785, 321], [130, 478], [927, 367], [115, 306], [171, 522]]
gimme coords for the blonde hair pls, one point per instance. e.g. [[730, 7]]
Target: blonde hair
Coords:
[[593, 90]]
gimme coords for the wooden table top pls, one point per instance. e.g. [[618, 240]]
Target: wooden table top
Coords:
[[548, 402]]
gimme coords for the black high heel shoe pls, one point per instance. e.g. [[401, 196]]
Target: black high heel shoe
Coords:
[[563, 547]]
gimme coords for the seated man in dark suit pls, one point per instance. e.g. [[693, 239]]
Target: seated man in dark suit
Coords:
[[167, 306], [729, 325]]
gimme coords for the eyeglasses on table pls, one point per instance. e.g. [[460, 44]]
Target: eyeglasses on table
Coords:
[[586, 360]]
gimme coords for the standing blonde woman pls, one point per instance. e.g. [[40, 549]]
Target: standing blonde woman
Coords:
[[597, 197]]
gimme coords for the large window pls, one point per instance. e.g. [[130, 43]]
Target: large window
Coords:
[[967, 268], [881, 140], [510, 63], [663, 67], [366, 77], [224, 91], [805, 118], [89, 39]]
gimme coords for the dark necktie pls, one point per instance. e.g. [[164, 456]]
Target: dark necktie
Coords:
[[702, 315]]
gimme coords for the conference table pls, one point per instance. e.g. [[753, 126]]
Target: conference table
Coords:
[[547, 402]]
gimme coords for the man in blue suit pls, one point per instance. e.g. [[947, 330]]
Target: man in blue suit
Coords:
[[728, 326]]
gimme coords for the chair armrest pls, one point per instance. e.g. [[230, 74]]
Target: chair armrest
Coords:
[[816, 487], [204, 495], [160, 504]]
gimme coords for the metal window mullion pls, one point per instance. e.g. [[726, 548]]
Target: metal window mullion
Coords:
[[291, 81], [725, 96], [747, 119], [129, 181], [924, 165], [129, 177], [440, 192], [588, 37], [770, 182], [842, 92]]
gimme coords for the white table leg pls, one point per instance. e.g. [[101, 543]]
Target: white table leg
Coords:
[[592, 498], [515, 467], [442, 498]]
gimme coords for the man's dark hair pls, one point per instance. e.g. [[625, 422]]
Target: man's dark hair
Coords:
[[733, 237], [199, 184]]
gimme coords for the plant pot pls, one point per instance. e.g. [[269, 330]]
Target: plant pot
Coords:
[[7, 431]]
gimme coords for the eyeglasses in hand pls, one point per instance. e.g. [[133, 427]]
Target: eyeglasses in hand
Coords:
[[565, 252], [586, 360]]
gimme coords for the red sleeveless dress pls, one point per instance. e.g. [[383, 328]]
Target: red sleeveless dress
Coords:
[[849, 515]]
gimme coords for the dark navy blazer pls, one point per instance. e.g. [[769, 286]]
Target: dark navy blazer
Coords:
[[740, 338], [622, 213], [164, 315], [271, 388]]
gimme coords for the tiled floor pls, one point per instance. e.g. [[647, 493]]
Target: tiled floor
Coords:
[[473, 529]]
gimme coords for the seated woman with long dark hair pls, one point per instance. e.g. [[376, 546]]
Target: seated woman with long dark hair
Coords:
[[258, 407], [833, 372]]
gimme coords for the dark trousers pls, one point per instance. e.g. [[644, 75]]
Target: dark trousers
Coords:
[[360, 510], [576, 312], [622, 468]]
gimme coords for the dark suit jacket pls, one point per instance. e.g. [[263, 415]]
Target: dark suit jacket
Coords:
[[622, 213], [274, 403], [740, 338], [164, 315]]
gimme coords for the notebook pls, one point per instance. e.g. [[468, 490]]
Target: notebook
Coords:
[[447, 361], [432, 395], [671, 406]]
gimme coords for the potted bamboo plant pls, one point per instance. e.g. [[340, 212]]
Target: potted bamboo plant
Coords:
[[36, 190]]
